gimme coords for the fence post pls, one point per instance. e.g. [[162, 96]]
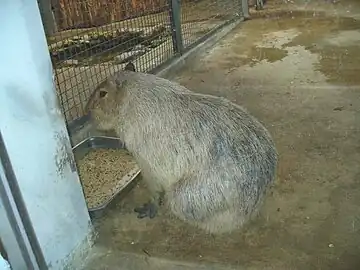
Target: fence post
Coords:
[[245, 9], [47, 17], [175, 20]]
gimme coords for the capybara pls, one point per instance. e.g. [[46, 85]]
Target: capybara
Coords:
[[205, 157]]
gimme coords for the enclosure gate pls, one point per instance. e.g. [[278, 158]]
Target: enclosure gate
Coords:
[[90, 39]]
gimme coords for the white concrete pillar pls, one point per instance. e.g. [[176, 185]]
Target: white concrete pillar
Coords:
[[4, 265], [36, 139]]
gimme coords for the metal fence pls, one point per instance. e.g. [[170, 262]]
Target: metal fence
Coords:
[[91, 39]]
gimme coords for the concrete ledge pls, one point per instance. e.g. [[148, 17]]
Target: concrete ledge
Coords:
[[130, 261]]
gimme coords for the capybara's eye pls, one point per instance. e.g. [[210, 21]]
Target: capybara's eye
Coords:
[[102, 94]]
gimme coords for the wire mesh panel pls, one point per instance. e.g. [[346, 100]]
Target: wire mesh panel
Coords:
[[91, 39], [199, 17]]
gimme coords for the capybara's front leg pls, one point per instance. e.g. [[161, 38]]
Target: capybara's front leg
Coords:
[[150, 208]]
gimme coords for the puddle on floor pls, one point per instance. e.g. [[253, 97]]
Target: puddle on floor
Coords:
[[270, 55], [338, 59], [334, 39]]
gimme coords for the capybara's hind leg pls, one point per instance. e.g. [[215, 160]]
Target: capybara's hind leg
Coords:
[[208, 204], [199, 203]]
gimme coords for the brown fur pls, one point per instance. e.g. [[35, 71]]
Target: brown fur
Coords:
[[209, 156]]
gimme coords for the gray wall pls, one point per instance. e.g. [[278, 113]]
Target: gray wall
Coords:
[[35, 136]]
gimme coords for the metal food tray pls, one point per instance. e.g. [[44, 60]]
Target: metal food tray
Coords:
[[84, 147]]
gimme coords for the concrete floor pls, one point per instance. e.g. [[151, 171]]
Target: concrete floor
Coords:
[[298, 72]]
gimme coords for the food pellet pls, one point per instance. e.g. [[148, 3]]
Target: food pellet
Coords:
[[101, 173]]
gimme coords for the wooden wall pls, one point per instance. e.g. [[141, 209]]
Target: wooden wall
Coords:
[[70, 14]]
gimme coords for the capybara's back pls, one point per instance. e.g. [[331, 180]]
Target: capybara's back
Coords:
[[211, 158]]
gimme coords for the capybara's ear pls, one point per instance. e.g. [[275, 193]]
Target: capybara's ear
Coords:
[[130, 67]]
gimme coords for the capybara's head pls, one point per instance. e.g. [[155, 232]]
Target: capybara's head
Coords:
[[104, 103]]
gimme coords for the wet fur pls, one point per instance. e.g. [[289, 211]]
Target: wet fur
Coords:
[[211, 158]]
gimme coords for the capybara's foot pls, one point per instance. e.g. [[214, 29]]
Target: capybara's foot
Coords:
[[147, 210]]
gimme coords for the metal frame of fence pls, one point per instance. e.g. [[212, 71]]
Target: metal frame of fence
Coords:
[[90, 40]]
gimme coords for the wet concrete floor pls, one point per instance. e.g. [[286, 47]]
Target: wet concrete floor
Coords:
[[298, 72]]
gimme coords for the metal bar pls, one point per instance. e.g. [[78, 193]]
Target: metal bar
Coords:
[[245, 9], [175, 20], [13, 242], [209, 34], [48, 18], [21, 208]]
